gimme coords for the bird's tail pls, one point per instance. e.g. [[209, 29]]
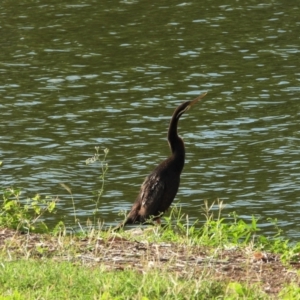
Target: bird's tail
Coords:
[[121, 225], [130, 219]]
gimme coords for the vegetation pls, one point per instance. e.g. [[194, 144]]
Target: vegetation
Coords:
[[221, 259], [48, 280], [24, 214]]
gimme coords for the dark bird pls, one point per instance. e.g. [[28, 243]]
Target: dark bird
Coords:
[[160, 187]]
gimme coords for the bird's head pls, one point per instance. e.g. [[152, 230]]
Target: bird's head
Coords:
[[186, 106]]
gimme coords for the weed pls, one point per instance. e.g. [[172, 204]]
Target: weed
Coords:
[[25, 214], [104, 168], [98, 193]]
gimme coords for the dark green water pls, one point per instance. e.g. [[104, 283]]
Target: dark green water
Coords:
[[110, 74]]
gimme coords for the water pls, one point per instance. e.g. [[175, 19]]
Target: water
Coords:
[[110, 74]]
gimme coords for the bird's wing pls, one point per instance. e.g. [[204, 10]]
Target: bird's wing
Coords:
[[152, 193]]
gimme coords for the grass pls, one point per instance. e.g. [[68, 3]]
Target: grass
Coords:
[[177, 261], [221, 259], [31, 279]]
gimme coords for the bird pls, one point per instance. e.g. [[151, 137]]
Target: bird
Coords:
[[160, 187]]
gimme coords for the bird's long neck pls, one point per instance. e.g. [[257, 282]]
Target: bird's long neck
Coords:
[[176, 143]]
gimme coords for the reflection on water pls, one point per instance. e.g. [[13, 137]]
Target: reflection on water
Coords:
[[110, 75]]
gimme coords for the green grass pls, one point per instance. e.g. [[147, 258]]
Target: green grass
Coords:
[[30, 279], [51, 271]]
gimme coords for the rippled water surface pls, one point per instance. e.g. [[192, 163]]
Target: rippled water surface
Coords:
[[111, 73]]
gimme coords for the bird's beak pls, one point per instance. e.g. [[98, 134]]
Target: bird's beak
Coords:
[[197, 99]]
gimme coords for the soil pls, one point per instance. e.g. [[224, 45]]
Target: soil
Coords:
[[188, 261]]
